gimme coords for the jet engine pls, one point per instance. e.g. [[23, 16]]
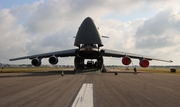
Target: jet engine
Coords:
[[36, 62], [53, 60], [126, 60], [144, 63]]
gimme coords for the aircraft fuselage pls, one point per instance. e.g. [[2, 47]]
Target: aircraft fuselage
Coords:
[[89, 41]]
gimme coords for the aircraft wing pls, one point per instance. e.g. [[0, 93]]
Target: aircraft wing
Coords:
[[65, 53], [112, 53]]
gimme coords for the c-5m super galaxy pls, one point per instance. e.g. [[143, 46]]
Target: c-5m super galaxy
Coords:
[[88, 40]]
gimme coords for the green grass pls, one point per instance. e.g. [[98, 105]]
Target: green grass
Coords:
[[29, 69], [44, 69], [155, 70]]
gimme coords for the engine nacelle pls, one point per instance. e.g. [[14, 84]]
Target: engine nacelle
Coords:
[[126, 60], [53, 60], [36, 62], [144, 63]]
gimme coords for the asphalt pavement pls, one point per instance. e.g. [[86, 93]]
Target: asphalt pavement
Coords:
[[50, 89]]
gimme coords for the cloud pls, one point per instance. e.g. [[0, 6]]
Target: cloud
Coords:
[[120, 33], [13, 37], [160, 35], [160, 31], [50, 25]]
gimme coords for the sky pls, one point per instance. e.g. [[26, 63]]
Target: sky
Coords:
[[147, 27]]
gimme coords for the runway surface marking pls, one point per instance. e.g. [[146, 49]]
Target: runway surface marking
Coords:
[[85, 96]]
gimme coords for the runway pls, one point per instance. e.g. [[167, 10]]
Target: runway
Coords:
[[50, 89]]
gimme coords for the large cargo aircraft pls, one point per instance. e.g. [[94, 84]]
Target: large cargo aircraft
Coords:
[[88, 42]]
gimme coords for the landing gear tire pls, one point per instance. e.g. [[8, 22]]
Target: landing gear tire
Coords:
[[74, 70], [103, 70]]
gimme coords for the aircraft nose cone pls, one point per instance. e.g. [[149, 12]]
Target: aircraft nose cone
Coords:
[[88, 18], [88, 33], [88, 25]]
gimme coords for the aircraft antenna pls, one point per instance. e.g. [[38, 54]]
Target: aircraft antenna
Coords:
[[105, 36]]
